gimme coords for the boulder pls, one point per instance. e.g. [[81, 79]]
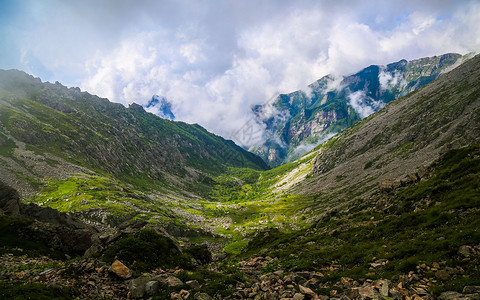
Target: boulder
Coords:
[[384, 287], [119, 269], [137, 286], [54, 229], [9, 200], [151, 288]]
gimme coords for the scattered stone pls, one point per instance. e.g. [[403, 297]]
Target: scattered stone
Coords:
[[298, 296], [172, 281], [202, 296], [421, 291], [308, 291], [352, 293], [193, 284], [442, 274], [137, 286], [384, 287], [471, 289], [184, 294], [395, 294], [465, 250], [317, 275], [121, 270], [367, 292], [450, 296], [304, 274]]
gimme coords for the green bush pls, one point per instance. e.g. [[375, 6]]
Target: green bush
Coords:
[[147, 250]]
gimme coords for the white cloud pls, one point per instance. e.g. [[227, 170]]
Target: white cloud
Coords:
[[388, 80], [213, 60], [363, 104]]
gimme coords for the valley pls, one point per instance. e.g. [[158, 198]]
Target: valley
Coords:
[[388, 208]]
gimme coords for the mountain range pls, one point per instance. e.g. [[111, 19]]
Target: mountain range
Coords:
[[295, 123], [98, 200]]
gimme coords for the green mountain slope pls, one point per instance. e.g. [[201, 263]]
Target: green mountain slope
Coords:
[[83, 152]]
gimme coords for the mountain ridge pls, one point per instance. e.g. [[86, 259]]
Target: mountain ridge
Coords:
[[334, 104]]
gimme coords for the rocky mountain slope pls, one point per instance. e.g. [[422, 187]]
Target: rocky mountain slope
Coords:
[[298, 121]]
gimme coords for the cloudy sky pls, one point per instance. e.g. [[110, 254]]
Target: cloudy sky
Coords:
[[214, 59]]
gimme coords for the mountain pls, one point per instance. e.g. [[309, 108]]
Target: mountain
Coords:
[[102, 156], [301, 120]]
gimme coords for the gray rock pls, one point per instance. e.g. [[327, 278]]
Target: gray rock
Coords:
[[304, 274], [9, 200], [137, 286], [202, 296], [450, 296], [172, 281], [312, 283], [151, 288], [395, 295], [298, 279]]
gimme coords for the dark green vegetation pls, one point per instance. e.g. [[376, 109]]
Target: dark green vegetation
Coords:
[[36, 291], [11, 242], [421, 223], [307, 119], [147, 250]]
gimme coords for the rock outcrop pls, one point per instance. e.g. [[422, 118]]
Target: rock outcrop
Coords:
[[54, 229]]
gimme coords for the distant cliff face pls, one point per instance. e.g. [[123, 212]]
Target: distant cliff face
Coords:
[[303, 120]]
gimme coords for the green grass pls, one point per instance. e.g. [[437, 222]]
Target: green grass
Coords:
[[235, 248]]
